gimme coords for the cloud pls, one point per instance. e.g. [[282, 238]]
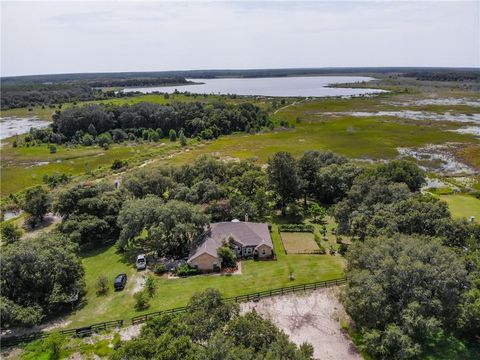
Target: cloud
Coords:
[[55, 37]]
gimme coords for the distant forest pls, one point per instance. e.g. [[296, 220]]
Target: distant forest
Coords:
[[23, 91]]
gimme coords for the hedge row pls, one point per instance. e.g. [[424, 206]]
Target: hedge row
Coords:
[[296, 228]]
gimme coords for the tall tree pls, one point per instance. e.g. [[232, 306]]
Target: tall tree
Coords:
[[36, 203], [283, 178]]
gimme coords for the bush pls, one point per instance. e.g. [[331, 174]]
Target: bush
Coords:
[[342, 250], [10, 232], [229, 259], [160, 269], [183, 139], [186, 270], [296, 228], [141, 301], [118, 164], [332, 250], [150, 285], [52, 149], [102, 285], [172, 135], [116, 341]]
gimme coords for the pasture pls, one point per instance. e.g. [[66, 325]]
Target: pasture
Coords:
[[298, 242]]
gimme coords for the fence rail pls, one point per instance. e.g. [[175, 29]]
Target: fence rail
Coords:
[[88, 330], [251, 297], [83, 331]]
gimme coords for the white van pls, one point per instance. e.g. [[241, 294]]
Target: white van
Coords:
[[141, 262]]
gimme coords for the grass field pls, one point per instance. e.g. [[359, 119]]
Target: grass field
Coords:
[[256, 276], [25, 166], [298, 242], [463, 206]]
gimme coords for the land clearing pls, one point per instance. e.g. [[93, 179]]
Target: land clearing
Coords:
[[298, 242], [312, 317]]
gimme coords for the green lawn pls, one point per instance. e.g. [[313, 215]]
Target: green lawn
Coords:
[[463, 206], [256, 276]]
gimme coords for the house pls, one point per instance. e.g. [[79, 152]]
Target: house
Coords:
[[247, 239]]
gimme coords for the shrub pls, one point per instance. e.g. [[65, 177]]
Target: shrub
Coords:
[[10, 232], [186, 270], [172, 134], [116, 341], [52, 149], [296, 228], [342, 250], [228, 256], [141, 301], [150, 285], [118, 164], [183, 139], [160, 269], [332, 250], [102, 285]]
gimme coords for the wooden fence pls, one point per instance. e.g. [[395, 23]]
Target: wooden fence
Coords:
[[251, 297], [88, 330], [80, 332]]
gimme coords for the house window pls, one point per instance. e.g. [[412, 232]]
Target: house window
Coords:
[[263, 252]]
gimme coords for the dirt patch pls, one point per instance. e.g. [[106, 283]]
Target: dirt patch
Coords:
[[312, 317]]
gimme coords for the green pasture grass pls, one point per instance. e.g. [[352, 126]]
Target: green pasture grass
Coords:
[[22, 167], [463, 206], [364, 138], [170, 293], [298, 242]]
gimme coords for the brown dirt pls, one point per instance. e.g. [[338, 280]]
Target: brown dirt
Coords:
[[313, 317]]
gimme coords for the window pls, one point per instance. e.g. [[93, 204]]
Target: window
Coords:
[[263, 252]]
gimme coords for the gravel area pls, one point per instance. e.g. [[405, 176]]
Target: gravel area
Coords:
[[312, 317]]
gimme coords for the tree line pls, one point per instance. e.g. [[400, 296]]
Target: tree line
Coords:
[[103, 124], [16, 94]]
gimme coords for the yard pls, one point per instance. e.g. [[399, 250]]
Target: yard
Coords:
[[463, 206], [256, 276], [299, 242]]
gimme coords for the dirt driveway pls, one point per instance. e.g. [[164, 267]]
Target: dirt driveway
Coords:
[[312, 317]]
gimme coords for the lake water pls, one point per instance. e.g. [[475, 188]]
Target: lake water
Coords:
[[302, 86], [10, 126]]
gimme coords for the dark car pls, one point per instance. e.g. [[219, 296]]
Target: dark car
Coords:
[[120, 282]]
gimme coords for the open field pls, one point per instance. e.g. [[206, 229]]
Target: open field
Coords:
[[366, 138], [298, 242], [25, 166], [256, 276], [463, 206]]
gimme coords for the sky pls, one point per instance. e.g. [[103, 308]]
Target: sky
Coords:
[[39, 37]]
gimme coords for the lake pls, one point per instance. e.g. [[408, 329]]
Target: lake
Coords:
[[10, 126], [301, 86]]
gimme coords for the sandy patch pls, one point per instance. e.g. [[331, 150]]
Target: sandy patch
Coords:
[[311, 317]]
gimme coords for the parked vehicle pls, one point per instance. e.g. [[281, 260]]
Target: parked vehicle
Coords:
[[120, 282], [141, 262]]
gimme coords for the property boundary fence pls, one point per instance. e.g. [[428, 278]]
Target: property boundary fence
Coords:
[[79, 332], [88, 330], [251, 297]]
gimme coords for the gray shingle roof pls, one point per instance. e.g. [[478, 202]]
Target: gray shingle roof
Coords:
[[245, 233]]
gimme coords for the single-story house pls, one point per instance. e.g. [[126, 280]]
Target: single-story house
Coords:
[[247, 239]]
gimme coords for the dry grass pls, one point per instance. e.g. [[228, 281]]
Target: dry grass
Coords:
[[298, 242]]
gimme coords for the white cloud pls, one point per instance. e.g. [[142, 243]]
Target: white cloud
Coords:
[[56, 37]]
